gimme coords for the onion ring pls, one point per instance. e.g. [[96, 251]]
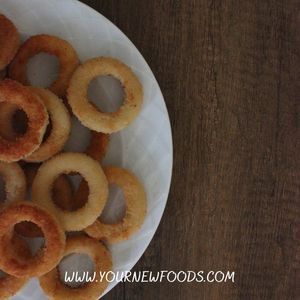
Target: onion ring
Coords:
[[136, 206], [61, 126], [91, 172], [10, 285], [62, 196], [13, 92], [9, 41], [98, 145], [48, 44], [15, 182], [55, 289], [87, 113], [48, 257]]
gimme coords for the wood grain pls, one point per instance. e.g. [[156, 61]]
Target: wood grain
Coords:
[[229, 71]]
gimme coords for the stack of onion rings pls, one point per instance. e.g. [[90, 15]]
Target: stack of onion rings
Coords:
[[87, 113], [62, 196], [13, 92], [135, 198], [15, 182], [61, 126], [9, 41], [47, 258], [55, 289], [53, 45], [90, 170], [60, 121]]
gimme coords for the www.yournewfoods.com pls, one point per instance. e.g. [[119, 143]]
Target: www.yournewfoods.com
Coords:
[[150, 277]]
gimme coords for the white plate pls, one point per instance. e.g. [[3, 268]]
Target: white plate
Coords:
[[145, 147]]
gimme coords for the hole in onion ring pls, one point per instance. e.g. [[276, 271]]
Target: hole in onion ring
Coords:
[[28, 229], [115, 208], [81, 263], [42, 69], [35, 244], [20, 122], [62, 193], [106, 93], [13, 122], [2, 190], [80, 195]]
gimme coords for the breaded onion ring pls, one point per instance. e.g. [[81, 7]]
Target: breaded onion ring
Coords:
[[136, 206], [9, 41], [48, 257], [55, 289], [87, 113], [13, 92], [61, 126], [15, 182], [62, 196], [98, 145], [53, 45], [90, 170], [10, 285]]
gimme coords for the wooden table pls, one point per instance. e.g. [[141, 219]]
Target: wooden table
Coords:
[[229, 71]]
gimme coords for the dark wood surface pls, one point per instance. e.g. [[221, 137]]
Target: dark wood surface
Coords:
[[229, 71]]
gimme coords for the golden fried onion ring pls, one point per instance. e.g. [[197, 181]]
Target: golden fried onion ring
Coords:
[[61, 126], [136, 206], [62, 196], [90, 170], [15, 182], [10, 285], [48, 257], [55, 289], [9, 41], [87, 113], [98, 145], [53, 45], [14, 150], [97, 150]]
